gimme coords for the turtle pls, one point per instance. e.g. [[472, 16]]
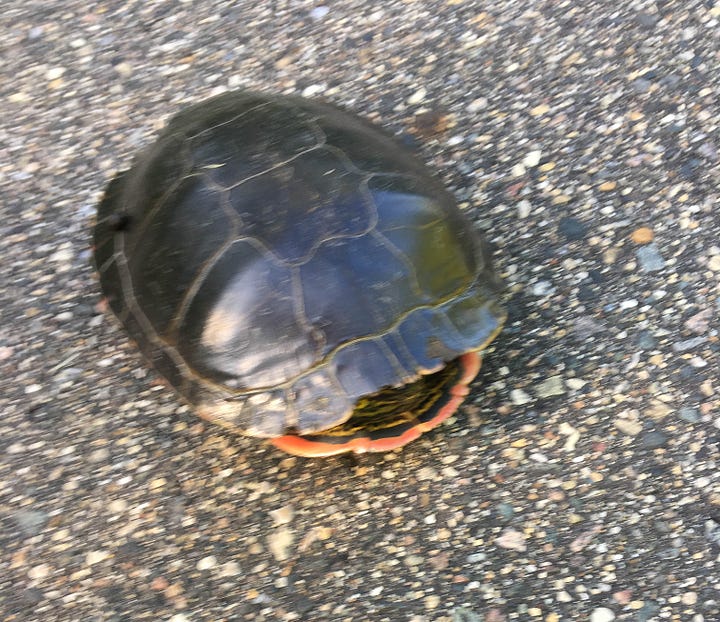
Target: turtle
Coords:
[[296, 273]]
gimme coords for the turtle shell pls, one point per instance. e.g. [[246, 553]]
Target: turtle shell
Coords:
[[279, 260]]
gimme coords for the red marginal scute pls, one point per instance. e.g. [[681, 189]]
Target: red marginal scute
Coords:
[[300, 446]]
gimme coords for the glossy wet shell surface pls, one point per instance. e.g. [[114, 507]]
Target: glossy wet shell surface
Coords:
[[277, 258]]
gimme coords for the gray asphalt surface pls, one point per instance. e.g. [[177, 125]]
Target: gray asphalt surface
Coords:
[[580, 482]]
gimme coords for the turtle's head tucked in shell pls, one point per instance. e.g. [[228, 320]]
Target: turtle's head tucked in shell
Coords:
[[296, 274]]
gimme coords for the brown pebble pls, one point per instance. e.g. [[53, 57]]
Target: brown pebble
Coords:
[[440, 561], [494, 615], [622, 597], [643, 235], [173, 591], [159, 583], [431, 123]]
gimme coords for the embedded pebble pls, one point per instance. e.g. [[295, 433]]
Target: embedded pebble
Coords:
[[602, 614], [463, 614], [313, 90], [417, 97], [572, 433], [432, 601], [542, 288], [700, 322], [63, 255], [478, 104], [653, 440], [650, 258], [524, 208], [645, 341], [95, 557], [575, 383], [643, 235], [688, 344], [280, 542], [39, 572], [714, 263], [319, 12], [689, 598], [540, 110], [550, 386], [532, 158], [691, 415], [572, 228], [30, 522], [207, 563], [505, 510], [124, 70], [519, 397], [283, 515], [98, 455], [512, 539], [628, 426], [426, 473], [54, 73]]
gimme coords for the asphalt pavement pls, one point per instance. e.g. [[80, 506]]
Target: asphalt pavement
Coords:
[[581, 480]]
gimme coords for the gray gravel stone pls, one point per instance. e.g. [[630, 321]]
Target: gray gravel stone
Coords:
[[30, 522], [550, 386], [691, 415], [653, 440], [650, 258]]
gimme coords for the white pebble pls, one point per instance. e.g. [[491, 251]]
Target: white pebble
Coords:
[[602, 614], [54, 73], [206, 563], [532, 158], [230, 569], [313, 90], [519, 397], [95, 557], [512, 539], [39, 572], [575, 383], [417, 97], [280, 542], [283, 515], [319, 12], [476, 105], [542, 288]]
